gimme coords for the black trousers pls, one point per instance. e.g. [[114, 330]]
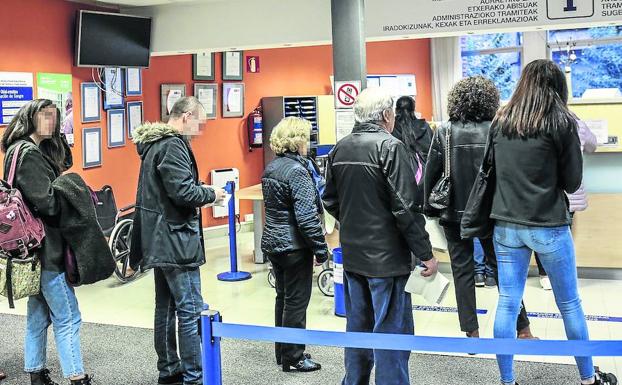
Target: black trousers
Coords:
[[294, 276], [463, 269]]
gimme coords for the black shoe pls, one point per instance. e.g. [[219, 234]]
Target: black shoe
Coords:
[[279, 361], [304, 365], [41, 378], [85, 381], [176, 379], [605, 378], [491, 282], [479, 280]]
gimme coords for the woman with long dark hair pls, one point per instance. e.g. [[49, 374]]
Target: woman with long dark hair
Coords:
[[473, 103], [43, 156], [414, 132], [537, 160]]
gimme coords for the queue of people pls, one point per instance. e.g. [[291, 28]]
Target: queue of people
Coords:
[[379, 183], [375, 190]]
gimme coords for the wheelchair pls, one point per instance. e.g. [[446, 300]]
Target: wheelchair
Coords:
[[117, 226]]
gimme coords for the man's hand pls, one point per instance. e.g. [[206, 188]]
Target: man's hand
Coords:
[[221, 195], [431, 267]]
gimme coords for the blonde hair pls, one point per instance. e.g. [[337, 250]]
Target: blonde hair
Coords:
[[289, 135]]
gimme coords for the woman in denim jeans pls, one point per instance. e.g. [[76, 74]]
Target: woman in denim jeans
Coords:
[[43, 156], [537, 160]]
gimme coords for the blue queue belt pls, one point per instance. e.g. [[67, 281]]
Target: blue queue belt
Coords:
[[417, 343]]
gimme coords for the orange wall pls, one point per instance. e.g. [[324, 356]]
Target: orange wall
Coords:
[[46, 45]]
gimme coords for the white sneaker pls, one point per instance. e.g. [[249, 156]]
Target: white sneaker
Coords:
[[545, 282]]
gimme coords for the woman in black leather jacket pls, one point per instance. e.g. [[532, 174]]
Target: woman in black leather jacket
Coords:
[[292, 234], [473, 103]]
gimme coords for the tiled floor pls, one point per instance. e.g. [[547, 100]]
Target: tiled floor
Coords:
[[251, 302]]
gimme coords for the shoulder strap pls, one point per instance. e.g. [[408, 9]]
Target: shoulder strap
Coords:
[[489, 154], [448, 151], [14, 164]]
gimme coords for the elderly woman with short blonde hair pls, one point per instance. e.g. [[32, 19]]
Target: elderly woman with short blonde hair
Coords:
[[293, 234]]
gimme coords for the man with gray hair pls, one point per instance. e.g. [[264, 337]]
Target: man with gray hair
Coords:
[[168, 236], [370, 189]]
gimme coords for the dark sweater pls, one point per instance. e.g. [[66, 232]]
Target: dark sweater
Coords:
[[532, 175]]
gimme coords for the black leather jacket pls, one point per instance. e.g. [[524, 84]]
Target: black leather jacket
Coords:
[[370, 189], [467, 143], [292, 206]]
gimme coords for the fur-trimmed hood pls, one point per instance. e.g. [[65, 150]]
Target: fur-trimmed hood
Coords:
[[149, 133], [152, 132]]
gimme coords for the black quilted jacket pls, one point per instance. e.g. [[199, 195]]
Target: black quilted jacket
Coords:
[[292, 209]]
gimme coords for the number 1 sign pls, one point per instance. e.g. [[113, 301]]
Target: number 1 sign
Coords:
[[569, 9]]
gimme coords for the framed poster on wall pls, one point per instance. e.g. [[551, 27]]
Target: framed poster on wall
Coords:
[[134, 117], [90, 99], [169, 94], [233, 65], [233, 100], [116, 128], [203, 66], [113, 86], [133, 82], [91, 147], [207, 95]]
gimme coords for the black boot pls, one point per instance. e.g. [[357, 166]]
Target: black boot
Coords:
[[41, 378], [85, 381]]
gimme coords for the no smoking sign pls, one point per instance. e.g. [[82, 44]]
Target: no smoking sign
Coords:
[[346, 93]]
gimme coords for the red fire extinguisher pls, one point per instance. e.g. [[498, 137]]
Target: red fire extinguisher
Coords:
[[254, 124]]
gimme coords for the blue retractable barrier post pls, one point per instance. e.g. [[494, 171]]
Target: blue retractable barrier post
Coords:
[[339, 276], [233, 275], [212, 364]]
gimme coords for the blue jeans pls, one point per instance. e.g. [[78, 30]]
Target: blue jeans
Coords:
[[481, 267], [378, 305], [514, 244], [178, 299], [56, 305]]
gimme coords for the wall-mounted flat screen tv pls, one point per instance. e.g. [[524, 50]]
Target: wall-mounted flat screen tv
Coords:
[[112, 40]]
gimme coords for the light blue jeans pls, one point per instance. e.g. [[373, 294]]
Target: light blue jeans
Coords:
[[514, 244], [56, 305]]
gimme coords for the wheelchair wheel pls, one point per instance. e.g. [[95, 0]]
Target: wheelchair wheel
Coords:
[[325, 282], [119, 243], [271, 279]]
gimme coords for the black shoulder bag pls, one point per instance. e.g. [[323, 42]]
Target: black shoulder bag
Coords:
[[476, 221], [439, 196]]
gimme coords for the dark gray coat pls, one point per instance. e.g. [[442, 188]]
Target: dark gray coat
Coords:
[[81, 231], [167, 228]]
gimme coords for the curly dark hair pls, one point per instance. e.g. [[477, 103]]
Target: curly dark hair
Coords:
[[473, 99]]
